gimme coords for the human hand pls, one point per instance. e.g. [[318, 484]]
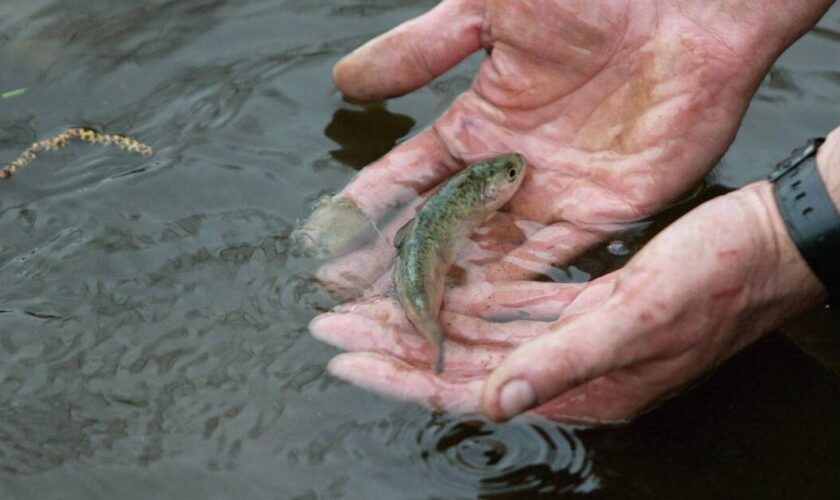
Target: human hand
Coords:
[[619, 107], [704, 288], [594, 166]]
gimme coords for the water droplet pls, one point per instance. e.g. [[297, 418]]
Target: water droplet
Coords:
[[618, 248]]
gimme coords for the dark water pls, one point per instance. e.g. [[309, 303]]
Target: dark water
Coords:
[[153, 338]]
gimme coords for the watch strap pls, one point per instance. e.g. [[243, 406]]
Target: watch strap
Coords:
[[809, 213]]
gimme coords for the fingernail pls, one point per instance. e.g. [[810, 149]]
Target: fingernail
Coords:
[[515, 397]]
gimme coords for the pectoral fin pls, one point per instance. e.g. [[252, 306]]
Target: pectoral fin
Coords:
[[404, 232]]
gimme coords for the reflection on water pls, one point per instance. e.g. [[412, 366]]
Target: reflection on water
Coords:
[[365, 134], [153, 336]]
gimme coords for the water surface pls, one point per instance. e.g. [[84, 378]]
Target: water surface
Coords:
[[153, 336]]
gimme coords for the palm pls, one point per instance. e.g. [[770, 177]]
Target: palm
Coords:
[[619, 109], [616, 118]]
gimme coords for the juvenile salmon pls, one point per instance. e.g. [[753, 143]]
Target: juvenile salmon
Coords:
[[428, 244]]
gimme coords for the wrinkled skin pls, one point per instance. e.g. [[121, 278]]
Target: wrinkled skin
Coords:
[[620, 107]]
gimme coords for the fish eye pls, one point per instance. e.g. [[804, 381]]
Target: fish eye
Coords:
[[511, 172]]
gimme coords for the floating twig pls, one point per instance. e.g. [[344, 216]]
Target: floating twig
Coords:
[[82, 134]]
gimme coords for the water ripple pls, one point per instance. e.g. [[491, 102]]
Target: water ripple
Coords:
[[469, 455]]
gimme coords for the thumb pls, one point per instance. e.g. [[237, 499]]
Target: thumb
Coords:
[[411, 55], [581, 348]]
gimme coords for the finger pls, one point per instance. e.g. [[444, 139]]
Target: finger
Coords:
[[366, 269], [384, 315], [348, 276], [610, 399], [344, 222], [623, 394], [580, 348], [386, 311], [601, 401], [593, 295], [389, 314], [471, 330], [412, 168], [358, 333], [507, 300], [554, 245], [390, 377], [412, 54]]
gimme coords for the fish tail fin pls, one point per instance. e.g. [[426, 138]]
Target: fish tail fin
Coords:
[[433, 330], [439, 359]]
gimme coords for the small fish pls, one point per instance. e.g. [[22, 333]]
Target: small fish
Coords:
[[428, 244]]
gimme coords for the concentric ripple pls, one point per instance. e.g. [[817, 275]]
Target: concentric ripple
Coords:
[[475, 457]]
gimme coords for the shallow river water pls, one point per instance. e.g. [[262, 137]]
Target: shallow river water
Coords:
[[153, 339]]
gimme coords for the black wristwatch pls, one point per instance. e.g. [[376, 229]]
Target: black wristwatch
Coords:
[[809, 214]]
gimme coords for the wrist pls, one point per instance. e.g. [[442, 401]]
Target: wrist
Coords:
[[785, 281], [802, 221], [791, 277]]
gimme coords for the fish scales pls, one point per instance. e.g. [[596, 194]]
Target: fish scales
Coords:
[[428, 244]]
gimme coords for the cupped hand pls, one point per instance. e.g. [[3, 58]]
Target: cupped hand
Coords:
[[619, 106], [704, 288]]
